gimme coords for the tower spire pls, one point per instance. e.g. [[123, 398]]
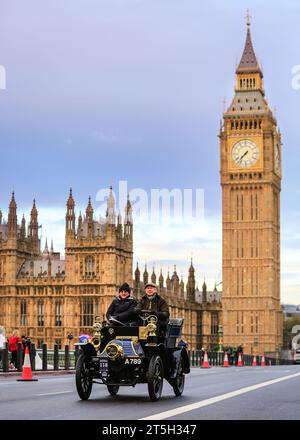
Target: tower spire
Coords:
[[248, 62]]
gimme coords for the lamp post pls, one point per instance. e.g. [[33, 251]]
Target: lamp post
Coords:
[[220, 335]]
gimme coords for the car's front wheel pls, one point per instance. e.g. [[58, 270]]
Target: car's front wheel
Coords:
[[178, 382], [84, 382], [113, 389], [155, 378]]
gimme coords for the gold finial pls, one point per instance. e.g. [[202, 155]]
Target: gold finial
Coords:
[[248, 16]]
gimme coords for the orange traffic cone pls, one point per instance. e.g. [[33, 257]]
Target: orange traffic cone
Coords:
[[26, 373], [254, 364], [240, 362], [205, 361], [263, 362], [226, 363]]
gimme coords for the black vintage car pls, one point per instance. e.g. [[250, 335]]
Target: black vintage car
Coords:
[[124, 355]]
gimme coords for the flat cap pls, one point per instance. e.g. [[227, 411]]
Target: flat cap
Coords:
[[150, 284]]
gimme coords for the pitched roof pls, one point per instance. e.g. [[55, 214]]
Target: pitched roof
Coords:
[[248, 62]]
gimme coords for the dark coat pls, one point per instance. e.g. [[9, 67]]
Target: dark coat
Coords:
[[157, 304], [122, 309]]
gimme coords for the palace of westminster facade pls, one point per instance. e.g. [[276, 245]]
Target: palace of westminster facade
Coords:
[[47, 298]]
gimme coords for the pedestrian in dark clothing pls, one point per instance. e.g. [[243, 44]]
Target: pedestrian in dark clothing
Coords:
[[122, 307], [153, 302]]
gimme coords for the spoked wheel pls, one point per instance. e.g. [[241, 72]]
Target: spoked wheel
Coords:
[[83, 380], [113, 389], [178, 382], [155, 378]]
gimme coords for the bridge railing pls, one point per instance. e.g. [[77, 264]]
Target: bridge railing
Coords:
[[45, 359]]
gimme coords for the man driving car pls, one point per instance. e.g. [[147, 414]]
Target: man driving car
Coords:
[[122, 307], [153, 302]]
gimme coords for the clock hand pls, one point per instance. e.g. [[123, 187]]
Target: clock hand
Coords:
[[243, 156]]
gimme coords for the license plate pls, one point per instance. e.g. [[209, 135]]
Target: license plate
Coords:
[[103, 367]]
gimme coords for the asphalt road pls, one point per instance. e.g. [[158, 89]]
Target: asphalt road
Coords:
[[247, 393]]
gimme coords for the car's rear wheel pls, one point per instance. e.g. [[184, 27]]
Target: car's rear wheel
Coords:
[[84, 382], [178, 382], [113, 389], [155, 378]]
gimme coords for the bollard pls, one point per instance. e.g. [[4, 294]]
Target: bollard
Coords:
[[20, 356], [67, 357], [32, 353], [5, 358], [44, 357], [193, 358], [76, 354], [55, 358]]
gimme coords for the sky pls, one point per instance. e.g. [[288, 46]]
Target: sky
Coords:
[[103, 91]]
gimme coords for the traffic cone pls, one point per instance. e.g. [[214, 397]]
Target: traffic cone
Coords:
[[26, 373], [240, 362], [226, 363], [205, 361], [263, 362], [254, 364]]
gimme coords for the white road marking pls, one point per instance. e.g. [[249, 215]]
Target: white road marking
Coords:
[[51, 394], [216, 399]]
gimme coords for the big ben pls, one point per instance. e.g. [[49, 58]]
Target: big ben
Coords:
[[250, 170]]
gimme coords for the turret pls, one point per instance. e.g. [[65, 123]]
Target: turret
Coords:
[[128, 221], [190, 288], [34, 228], [137, 275], [23, 228], [12, 217], [70, 216], [204, 292], [90, 218], [110, 212], [161, 280], [145, 276], [153, 277]]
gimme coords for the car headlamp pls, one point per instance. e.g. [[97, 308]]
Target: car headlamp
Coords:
[[151, 328], [114, 351]]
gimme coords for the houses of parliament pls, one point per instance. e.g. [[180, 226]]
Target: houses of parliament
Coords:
[[48, 298]]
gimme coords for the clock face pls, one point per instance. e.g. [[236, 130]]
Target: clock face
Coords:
[[277, 158], [245, 153]]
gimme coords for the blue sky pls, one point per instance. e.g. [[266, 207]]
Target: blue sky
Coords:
[[100, 91]]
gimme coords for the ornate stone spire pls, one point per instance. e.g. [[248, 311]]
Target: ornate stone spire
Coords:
[[70, 215], [23, 228], [90, 218], [145, 275], [153, 276], [34, 227], [161, 280], [12, 216], [248, 62], [110, 212], [137, 274]]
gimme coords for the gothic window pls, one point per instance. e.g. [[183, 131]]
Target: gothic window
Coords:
[[89, 266], [23, 313], [58, 314], [254, 86], [199, 329], [58, 343], [242, 322], [252, 323], [87, 312], [256, 207], [256, 323], [214, 323], [237, 207], [237, 322], [41, 315], [242, 281], [242, 207]]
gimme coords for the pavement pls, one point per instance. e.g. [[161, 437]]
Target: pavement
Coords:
[[247, 393]]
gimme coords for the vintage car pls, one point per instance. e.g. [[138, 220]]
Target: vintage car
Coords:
[[124, 355]]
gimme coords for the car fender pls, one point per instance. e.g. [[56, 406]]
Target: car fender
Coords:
[[87, 348]]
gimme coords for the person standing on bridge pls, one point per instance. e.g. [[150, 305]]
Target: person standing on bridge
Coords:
[[13, 346]]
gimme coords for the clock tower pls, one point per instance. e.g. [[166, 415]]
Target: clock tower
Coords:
[[250, 170]]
